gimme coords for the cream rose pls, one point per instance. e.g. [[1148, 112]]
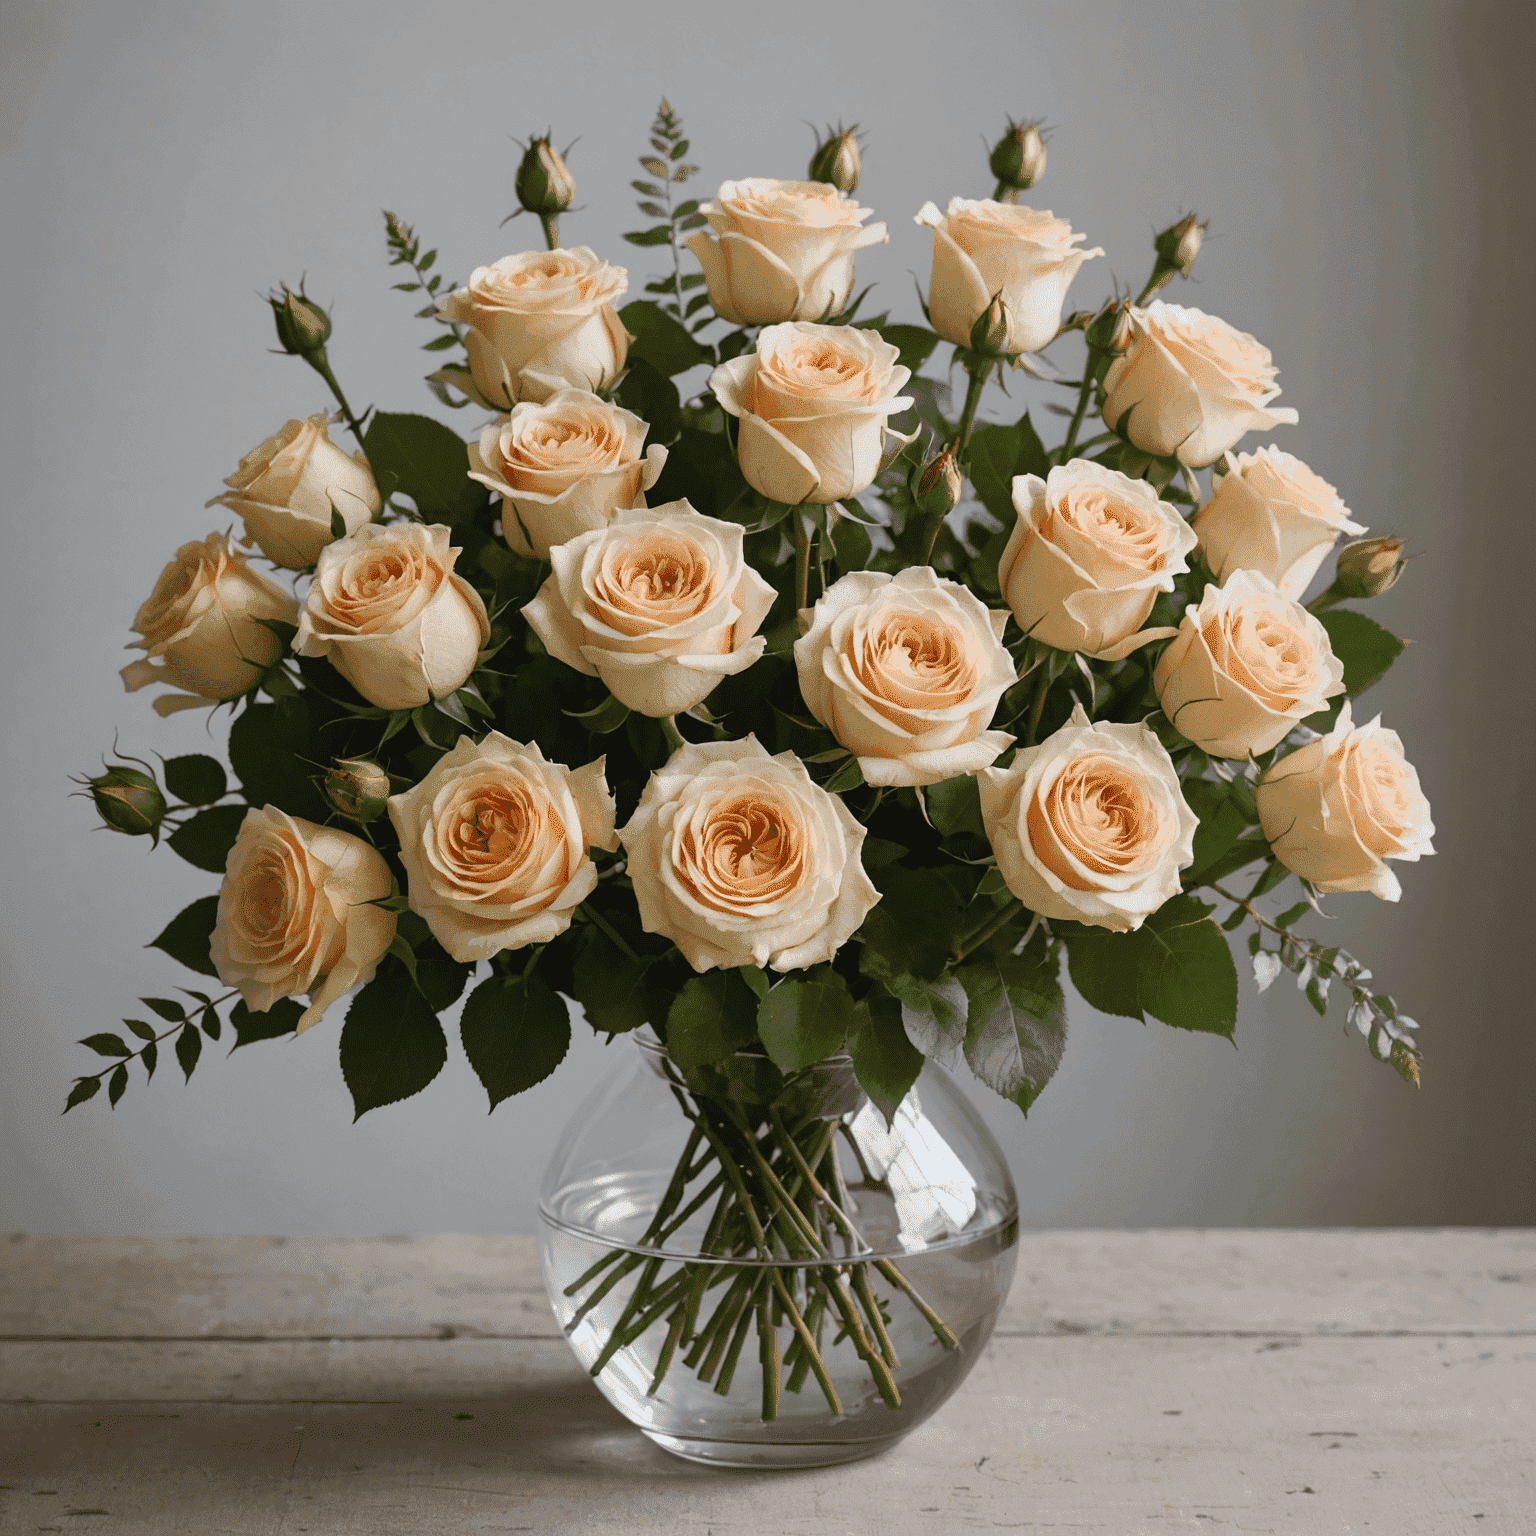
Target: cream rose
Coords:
[[538, 322], [396, 622], [785, 250], [563, 467], [1246, 665], [1087, 557], [1336, 810], [1271, 513], [202, 624], [813, 402], [1190, 385], [286, 489], [906, 672], [740, 859], [661, 604], [294, 913], [1090, 825], [494, 841], [983, 249]]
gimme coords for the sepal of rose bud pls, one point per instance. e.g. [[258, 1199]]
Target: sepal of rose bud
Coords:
[[1018, 158], [989, 335], [837, 159], [302, 326], [1179, 245], [129, 801], [1368, 567], [1110, 329], [544, 185], [937, 486], [358, 788]]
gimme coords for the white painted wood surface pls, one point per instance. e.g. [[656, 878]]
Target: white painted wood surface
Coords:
[[1137, 1382]]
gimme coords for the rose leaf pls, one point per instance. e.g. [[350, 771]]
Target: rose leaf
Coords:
[[391, 1044], [800, 1022], [885, 1061], [1185, 975], [515, 1033], [1103, 966], [187, 934], [1016, 1027], [1362, 645], [195, 779], [713, 1016], [282, 1018], [206, 839]]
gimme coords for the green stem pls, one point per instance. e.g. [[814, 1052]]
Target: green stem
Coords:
[[675, 739], [1001, 193], [802, 558], [551, 225], [1325, 600], [1084, 394], [1000, 919], [597, 918], [322, 365], [1162, 274], [976, 383], [1037, 706]]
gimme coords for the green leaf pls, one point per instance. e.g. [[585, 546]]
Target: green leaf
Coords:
[[851, 544], [801, 1022], [885, 1061], [609, 985], [426, 461], [150, 1059], [1016, 1027], [189, 1046], [186, 936], [391, 1044], [653, 397], [168, 1009], [849, 776], [997, 454], [1103, 966], [1365, 648], [338, 522], [713, 1016], [195, 779], [1185, 975], [954, 805], [440, 979], [117, 1085], [660, 340], [142, 1030], [658, 236], [272, 748], [85, 1088], [604, 720], [914, 926], [915, 343], [515, 1033], [106, 1045], [282, 1018], [206, 839]]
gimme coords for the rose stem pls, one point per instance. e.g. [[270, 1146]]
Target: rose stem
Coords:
[[717, 1331], [661, 1301], [768, 1355], [321, 364], [594, 916], [865, 1292], [976, 383], [733, 1353], [802, 559], [799, 1353], [1037, 708], [664, 1359], [976, 939], [861, 1340], [675, 739], [646, 1276], [870, 1181], [709, 1245], [551, 230]]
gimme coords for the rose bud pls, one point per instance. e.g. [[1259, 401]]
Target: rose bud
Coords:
[[1110, 329], [1018, 160], [358, 788], [129, 801], [938, 486], [302, 326], [1368, 567], [837, 159], [544, 185], [1180, 243], [989, 335]]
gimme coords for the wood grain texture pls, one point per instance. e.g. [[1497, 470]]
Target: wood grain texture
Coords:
[[1139, 1382]]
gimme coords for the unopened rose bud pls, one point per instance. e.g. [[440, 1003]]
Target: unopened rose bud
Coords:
[[129, 801], [1018, 160], [1110, 329], [358, 788], [837, 159], [1180, 243], [302, 326], [1368, 567], [989, 334], [937, 486], [544, 185]]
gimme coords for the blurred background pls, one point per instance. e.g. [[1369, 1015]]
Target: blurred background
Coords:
[[1365, 168]]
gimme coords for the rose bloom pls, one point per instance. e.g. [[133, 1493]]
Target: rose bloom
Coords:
[[661, 605], [1090, 825], [396, 622], [286, 489], [740, 859], [906, 672], [1190, 385], [785, 250], [538, 322], [494, 841], [1271, 513], [813, 402], [1336, 810], [202, 624], [1087, 557], [563, 467], [1246, 665], [984, 248], [294, 913]]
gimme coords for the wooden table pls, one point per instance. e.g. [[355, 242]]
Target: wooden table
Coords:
[[1137, 1382]]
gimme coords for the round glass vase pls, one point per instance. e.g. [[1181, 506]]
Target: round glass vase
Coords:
[[764, 1273]]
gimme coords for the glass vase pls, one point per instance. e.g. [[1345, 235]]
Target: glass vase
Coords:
[[762, 1272]]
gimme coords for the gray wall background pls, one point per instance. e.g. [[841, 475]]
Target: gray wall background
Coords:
[[162, 164]]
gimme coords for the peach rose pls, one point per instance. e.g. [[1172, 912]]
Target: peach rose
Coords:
[[1336, 810], [294, 913], [785, 250], [396, 622], [538, 322], [1087, 557], [740, 859], [661, 604], [286, 489], [494, 841], [563, 467], [202, 624], [1271, 513], [983, 249], [813, 402], [906, 672], [1190, 385], [1246, 665], [1090, 825]]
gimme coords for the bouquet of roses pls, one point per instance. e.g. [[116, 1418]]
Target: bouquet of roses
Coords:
[[738, 712]]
